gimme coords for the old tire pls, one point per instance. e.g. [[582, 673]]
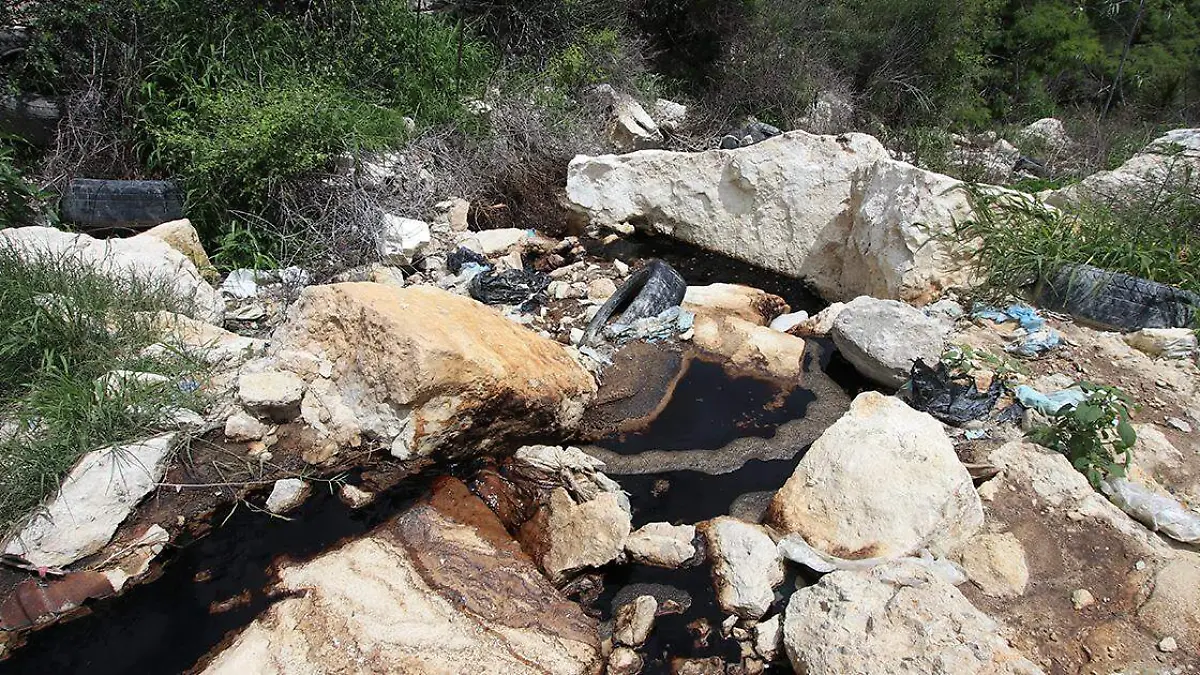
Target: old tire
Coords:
[[12, 42], [1117, 301], [110, 203], [651, 290], [33, 118]]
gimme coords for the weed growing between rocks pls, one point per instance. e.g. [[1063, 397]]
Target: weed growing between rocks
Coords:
[[1155, 237], [1095, 435], [65, 328]]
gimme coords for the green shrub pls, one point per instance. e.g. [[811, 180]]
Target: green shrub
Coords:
[[1095, 435], [65, 327], [1152, 236], [20, 200]]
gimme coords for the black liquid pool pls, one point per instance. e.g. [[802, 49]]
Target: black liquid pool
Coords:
[[709, 408], [165, 626]]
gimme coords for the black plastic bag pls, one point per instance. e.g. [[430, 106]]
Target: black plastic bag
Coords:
[[464, 255], [953, 401], [649, 292], [510, 287]]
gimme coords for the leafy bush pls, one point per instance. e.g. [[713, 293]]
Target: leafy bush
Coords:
[[1095, 435], [65, 327], [20, 200], [1021, 241]]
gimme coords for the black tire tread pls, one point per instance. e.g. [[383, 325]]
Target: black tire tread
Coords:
[[105, 203], [1117, 301]]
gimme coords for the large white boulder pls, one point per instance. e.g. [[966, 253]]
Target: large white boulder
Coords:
[[1172, 160], [834, 209], [148, 259], [882, 481], [420, 370], [897, 619], [1050, 133], [883, 338], [96, 497]]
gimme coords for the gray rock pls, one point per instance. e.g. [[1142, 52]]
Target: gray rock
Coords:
[[746, 566], [883, 338], [662, 544], [897, 618], [287, 494]]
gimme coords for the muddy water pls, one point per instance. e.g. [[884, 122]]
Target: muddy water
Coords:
[[208, 589]]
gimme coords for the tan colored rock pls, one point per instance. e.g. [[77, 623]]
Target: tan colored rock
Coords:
[[635, 620], [751, 347], [745, 302], [213, 345], [821, 324], [996, 564], [271, 392], [440, 589], [662, 544], [601, 289], [181, 236], [242, 427], [287, 494], [624, 661], [566, 537], [746, 567], [882, 481], [425, 371]]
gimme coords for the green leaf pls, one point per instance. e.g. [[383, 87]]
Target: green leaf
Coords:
[[1127, 434], [1088, 413]]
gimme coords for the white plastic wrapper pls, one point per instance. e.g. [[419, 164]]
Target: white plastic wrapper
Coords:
[[1158, 512], [794, 548]]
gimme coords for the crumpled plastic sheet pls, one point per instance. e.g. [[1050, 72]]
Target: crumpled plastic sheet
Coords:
[[1037, 339], [935, 391], [1156, 511], [1048, 404], [522, 288], [794, 548], [463, 256], [669, 323]]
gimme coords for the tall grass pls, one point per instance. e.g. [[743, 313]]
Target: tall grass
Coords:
[[65, 327], [1021, 241]]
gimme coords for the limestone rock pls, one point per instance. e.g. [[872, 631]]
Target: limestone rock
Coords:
[[1170, 343], [147, 258], [833, 209], [354, 496], [95, 498], [272, 392], [1048, 132], [821, 324], [242, 427], [996, 564], [1173, 608], [500, 241], [287, 494], [439, 589], [750, 347], [181, 236], [662, 544], [768, 637], [744, 302], [882, 481], [401, 240], [635, 620], [426, 371], [215, 346], [1170, 160], [601, 289], [883, 338], [746, 566], [669, 114], [566, 536], [631, 127], [624, 661], [897, 618]]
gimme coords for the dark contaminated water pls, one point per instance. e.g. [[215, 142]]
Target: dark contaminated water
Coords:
[[709, 408], [208, 589]]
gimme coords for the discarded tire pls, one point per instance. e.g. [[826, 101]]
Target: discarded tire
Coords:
[[32, 118], [13, 42], [1117, 301], [108, 203], [652, 290]]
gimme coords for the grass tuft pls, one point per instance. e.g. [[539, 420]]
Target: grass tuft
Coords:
[[66, 326]]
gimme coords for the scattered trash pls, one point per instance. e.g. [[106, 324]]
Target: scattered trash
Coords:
[[1167, 343], [464, 256], [1117, 301], [785, 322], [523, 288], [1049, 404], [651, 290], [1158, 512], [669, 323], [1037, 338], [976, 434], [1013, 413], [247, 283], [952, 400]]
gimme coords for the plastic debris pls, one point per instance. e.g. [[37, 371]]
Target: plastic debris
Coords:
[[522, 288], [1048, 404], [952, 400], [649, 292], [669, 323], [1037, 337], [1159, 512], [464, 256]]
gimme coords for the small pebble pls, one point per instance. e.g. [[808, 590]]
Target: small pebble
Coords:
[[1082, 598], [1168, 645], [1179, 424]]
